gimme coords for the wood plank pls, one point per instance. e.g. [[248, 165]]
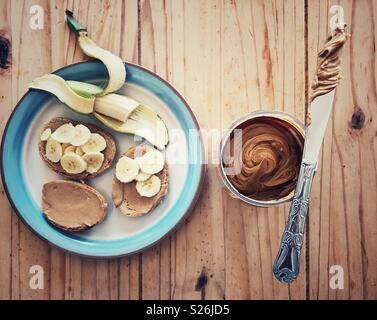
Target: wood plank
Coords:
[[319, 216], [129, 267], [294, 103], [6, 210], [343, 224], [28, 248], [153, 55], [237, 40], [59, 46], [72, 277], [198, 269]]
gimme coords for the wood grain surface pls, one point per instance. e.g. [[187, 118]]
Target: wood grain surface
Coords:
[[227, 57]]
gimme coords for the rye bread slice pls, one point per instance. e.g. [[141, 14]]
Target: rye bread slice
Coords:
[[72, 206], [128, 200], [109, 152]]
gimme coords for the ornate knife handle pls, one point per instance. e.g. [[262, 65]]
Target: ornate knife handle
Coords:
[[287, 263]]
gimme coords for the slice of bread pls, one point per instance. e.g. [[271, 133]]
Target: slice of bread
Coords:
[[128, 200], [72, 206], [109, 152]]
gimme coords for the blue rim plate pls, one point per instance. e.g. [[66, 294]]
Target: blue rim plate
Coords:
[[19, 196]]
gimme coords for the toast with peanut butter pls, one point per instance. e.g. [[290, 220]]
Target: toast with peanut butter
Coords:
[[72, 206], [139, 183]]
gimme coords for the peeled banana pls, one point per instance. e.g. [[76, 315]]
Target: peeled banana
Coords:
[[115, 106], [142, 122], [86, 90], [126, 115]]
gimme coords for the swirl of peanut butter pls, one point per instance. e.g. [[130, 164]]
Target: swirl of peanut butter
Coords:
[[327, 74], [269, 158]]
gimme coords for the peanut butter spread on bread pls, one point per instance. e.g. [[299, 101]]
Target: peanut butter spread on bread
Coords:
[[125, 195], [72, 206]]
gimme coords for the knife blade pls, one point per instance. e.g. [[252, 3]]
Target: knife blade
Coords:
[[320, 111]]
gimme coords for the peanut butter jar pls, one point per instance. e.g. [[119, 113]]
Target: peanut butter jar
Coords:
[[260, 157]]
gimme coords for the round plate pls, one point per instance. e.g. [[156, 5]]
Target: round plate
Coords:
[[24, 172]]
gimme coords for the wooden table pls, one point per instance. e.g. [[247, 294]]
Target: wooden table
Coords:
[[227, 58]]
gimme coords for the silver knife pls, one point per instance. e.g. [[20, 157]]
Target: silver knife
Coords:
[[287, 263]]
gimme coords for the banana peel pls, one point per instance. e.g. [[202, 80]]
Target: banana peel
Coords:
[[79, 96], [114, 64], [59, 87], [118, 112]]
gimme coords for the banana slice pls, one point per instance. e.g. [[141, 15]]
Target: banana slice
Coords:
[[69, 149], [150, 187], [82, 135], [126, 169], [73, 163], [46, 134], [142, 176], [151, 162], [64, 134], [93, 160], [53, 150], [79, 151], [96, 143]]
